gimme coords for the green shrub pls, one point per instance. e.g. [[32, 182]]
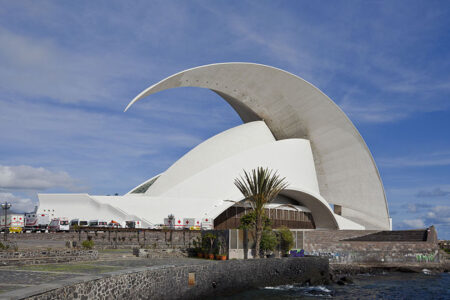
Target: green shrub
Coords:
[[248, 221], [87, 244], [286, 238], [208, 241], [197, 243], [8, 246], [269, 240]]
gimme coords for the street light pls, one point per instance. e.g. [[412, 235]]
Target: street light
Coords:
[[5, 207], [171, 218]]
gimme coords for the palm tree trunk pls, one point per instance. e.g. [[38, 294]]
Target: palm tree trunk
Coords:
[[259, 230]]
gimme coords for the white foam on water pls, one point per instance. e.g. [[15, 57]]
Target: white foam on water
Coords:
[[280, 287], [426, 271], [311, 291], [319, 288]]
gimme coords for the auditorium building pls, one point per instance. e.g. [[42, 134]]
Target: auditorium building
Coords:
[[289, 126]]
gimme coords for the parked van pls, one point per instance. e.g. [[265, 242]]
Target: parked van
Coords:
[[98, 223], [133, 224], [36, 222], [14, 222], [59, 224], [78, 222]]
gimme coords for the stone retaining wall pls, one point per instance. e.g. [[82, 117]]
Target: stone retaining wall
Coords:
[[334, 245], [154, 239], [195, 281], [45, 256]]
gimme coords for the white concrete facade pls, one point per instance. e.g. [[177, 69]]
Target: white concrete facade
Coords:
[[289, 126]]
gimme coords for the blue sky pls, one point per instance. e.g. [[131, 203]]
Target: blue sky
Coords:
[[69, 68]]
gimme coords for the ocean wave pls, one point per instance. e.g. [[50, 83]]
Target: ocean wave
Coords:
[[312, 291]]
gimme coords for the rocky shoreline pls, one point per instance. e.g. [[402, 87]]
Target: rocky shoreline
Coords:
[[337, 270], [341, 273]]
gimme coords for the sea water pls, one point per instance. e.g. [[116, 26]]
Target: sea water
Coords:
[[385, 286]]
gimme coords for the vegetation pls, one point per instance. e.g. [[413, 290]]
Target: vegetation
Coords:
[[87, 244], [197, 243], [248, 221], [269, 240], [286, 239], [3, 247], [208, 242], [259, 187], [9, 246]]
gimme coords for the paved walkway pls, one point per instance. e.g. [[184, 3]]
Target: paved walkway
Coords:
[[19, 281]]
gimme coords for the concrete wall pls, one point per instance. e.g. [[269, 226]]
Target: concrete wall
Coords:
[[195, 281]]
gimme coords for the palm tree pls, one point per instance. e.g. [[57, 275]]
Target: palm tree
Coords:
[[259, 187]]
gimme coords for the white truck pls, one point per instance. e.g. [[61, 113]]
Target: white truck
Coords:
[[59, 224], [36, 222], [14, 222], [207, 223], [192, 223]]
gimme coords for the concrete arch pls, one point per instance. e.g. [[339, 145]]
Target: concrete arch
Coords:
[[294, 108], [322, 214]]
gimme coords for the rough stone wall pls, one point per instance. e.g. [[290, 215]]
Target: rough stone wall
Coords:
[[30, 257], [195, 281], [331, 244], [156, 239]]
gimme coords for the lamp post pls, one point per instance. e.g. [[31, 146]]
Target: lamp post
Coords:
[[171, 218], [5, 207]]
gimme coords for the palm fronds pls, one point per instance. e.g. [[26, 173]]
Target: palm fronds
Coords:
[[260, 186]]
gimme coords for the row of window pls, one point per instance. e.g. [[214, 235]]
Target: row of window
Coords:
[[274, 214]]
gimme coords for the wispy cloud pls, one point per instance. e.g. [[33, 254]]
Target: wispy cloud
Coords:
[[414, 223], [417, 207], [439, 215], [40, 67], [424, 160], [436, 192]]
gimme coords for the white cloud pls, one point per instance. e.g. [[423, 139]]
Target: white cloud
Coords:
[[439, 215], [414, 223], [19, 204], [27, 177]]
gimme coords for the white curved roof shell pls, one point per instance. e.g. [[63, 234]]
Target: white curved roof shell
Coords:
[[292, 109]]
